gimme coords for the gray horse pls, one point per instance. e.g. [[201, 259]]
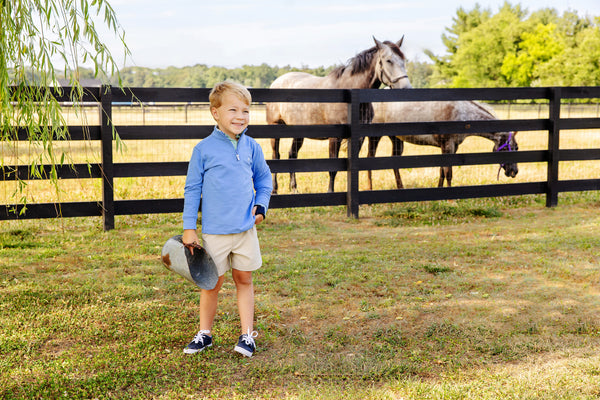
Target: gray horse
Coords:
[[439, 111], [383, 63]]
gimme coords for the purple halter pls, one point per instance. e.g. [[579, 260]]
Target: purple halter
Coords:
[[506, 145]]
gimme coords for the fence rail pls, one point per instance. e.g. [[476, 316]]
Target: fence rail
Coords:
[[107, 98]]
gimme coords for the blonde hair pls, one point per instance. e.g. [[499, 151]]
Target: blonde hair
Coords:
[[216, 94]]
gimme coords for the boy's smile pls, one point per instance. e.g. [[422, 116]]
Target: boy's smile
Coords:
[[232, 116]]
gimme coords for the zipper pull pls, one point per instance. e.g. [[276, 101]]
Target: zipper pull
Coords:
[[237, 155]]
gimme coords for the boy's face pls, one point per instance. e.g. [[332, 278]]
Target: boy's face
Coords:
[[232, 116]]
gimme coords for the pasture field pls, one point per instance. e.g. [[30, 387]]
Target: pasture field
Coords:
[[180, 150], [476, 299]]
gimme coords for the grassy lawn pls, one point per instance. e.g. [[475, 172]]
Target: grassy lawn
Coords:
[[476, 299]]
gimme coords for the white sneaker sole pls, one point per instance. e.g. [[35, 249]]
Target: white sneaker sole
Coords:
[[243, 351], [192, 351]]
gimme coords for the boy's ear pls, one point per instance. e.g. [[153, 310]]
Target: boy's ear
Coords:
[[213, 111]]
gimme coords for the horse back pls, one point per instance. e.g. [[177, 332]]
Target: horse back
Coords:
[[426, 111], [298, 80], [304, 113], [431, 111]]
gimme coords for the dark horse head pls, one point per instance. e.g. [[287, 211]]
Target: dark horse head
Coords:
[[506, 142]]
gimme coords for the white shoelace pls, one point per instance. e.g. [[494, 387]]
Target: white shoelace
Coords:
[[248, 338], [200, 336]]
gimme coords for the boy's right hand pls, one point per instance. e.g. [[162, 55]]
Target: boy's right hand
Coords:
[[189, 238]]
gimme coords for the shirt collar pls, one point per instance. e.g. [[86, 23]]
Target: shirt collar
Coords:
[[237, 137]]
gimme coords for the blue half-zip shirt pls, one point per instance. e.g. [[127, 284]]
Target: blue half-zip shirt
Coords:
[[229, 181]]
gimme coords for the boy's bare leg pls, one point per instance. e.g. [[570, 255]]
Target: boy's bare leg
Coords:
[[208, 305], [245, 298]]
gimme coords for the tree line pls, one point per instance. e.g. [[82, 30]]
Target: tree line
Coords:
[[201, 75]]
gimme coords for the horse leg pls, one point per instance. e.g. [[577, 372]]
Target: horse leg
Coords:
[[443, 171], [296, 145], [334, 152], [446, 171], [275, 147], [372, 149], [397, 150]]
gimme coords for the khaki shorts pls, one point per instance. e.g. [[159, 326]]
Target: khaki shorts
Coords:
[[239, 251]]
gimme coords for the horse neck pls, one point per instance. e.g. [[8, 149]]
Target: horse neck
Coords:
[[498, 138], [484, 113], [489, 135], [361, 80]]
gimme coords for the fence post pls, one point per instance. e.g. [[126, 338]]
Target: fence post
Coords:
[[353, 153], [553, 147], [106, 136]]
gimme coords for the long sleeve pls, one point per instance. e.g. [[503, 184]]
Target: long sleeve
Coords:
[[193, 190], [263, 182]]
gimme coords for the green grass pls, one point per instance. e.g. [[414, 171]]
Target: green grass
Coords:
[[475, 299]]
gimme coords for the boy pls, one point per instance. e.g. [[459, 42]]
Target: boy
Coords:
[[228, 172]]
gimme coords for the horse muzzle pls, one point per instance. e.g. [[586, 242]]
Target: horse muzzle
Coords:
[[511, 170], [401, 82]]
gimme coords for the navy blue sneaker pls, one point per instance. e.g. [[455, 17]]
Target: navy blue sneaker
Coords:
[[246, 345], [200, 342]]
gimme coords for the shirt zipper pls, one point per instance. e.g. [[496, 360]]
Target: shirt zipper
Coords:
[[236, 147]]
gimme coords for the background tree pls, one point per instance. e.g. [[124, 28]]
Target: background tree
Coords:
[[481, 50], [36, 37], [523, 66], [578, 64], [515, 48], [463, 22], [419, 73]]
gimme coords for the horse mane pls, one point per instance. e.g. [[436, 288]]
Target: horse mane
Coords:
[[362, 61]]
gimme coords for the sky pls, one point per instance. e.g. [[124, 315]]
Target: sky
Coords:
[[297, 33]]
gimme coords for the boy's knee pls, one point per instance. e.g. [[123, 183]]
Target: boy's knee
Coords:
[[242, 277]]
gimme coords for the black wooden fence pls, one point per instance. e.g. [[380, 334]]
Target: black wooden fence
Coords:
[[107, 97]]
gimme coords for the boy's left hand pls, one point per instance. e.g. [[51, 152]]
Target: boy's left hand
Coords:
[[258, 218]]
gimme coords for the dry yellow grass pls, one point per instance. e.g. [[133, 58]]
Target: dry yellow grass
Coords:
[[180, 150]]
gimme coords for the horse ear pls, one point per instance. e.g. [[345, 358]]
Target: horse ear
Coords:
[[377, 43], [400, 41]]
